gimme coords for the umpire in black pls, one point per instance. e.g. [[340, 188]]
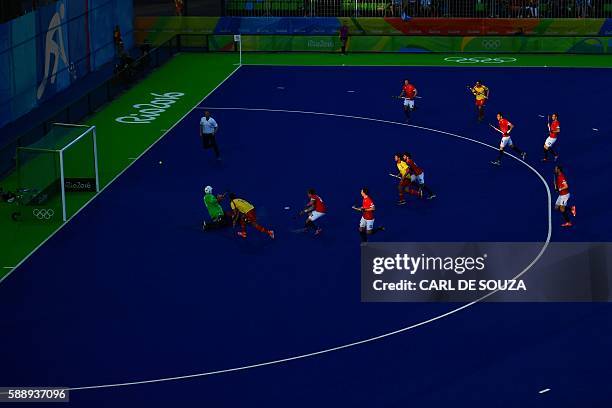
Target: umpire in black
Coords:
[[208, 131]]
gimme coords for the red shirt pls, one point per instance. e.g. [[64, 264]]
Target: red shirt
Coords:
[[554, 126], [416, 170], [504, 124], [409, 91], [317, 203], [561, 184], [368, 203]]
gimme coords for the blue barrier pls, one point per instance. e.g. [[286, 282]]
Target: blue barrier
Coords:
[[48, 51]]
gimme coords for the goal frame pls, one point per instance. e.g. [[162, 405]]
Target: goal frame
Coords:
[[60, 152]]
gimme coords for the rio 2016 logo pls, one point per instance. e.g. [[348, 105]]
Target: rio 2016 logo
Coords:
[[480, 60], [148, 112]]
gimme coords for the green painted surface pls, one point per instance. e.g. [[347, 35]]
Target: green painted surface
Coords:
[[118, 142], [195, 75]]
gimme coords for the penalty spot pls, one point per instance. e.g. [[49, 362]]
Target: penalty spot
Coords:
[[287, 208]]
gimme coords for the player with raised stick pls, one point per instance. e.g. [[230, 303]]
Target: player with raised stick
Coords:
[[218, 218], [366, 224], [554, 128], [244, 212], [315, 210], [561, 204], [505, 127], [481, 93], [417, 176], [408, 94]]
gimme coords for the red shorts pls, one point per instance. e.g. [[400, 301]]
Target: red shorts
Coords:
[[481, 102], [250, 217]]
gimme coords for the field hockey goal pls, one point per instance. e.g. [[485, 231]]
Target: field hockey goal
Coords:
[[58, 173]]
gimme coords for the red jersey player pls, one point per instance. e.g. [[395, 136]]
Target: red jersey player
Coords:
[[554, 128], [561, 205], [408, 93], [505, 127], [315, 210], [417, 176], [366, 224]]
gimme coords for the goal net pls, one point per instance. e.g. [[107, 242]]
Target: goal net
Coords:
[[58, 173]]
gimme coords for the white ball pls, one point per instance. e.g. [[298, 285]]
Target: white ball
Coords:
[[160, 162]]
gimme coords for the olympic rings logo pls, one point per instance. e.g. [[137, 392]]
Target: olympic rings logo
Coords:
[[43, 214], [491, 44], [481, 60]]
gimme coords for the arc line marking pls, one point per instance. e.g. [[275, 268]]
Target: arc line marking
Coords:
[[371, 339]]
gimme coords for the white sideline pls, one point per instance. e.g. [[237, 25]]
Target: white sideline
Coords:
[[371, 339], [117, 176]]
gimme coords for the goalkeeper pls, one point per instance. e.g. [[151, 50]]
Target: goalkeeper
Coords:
[[218, 218]]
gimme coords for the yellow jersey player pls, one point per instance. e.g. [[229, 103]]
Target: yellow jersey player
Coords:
[[481, 93], [244, 212]]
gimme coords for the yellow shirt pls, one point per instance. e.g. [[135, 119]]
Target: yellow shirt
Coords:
[[480, 92], [241, 205], [402, 167]]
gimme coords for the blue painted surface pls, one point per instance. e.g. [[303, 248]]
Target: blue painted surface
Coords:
[[132, 289]]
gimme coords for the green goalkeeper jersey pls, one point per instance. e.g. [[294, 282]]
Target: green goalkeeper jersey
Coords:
[[213, 206]]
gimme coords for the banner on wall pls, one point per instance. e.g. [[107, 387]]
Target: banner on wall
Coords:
[[46, 51], [23, 63], [5, 74], [53, 51], [576, 45], [159, 29]]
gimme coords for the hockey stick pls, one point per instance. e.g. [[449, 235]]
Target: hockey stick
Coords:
[[403, 97], [499, 130]]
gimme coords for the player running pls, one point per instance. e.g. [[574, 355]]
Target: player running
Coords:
[[405, 180], [505, 127], [408, 93], [481, 93], [244, 212], [554, 128], [561, 204], [315, 210], [366, 224], [218, 218], [417, 176]]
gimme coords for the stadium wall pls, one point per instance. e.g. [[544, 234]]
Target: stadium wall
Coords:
[[413, 44], [78, 32], [159, 29]]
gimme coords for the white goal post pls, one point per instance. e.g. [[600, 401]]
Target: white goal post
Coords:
[[62, 162]]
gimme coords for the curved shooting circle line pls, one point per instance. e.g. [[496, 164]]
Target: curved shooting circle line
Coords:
[[371, 339]]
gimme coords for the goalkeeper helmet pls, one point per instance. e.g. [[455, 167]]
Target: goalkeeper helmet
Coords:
[[208, 189]]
